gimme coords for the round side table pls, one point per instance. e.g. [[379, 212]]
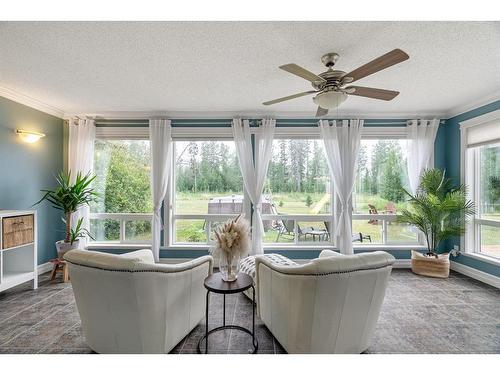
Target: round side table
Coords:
[[215, 284]]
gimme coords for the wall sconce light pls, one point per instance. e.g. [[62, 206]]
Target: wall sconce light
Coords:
[[29, 136]]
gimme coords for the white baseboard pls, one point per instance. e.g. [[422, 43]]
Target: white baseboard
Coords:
[[44, 267], [476, 274]]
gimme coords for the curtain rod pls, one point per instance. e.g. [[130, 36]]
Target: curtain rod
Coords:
[[279, 122]]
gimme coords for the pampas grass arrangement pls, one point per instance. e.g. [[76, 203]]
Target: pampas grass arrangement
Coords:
[[232, 242]]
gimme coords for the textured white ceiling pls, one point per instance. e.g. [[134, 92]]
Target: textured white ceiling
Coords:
[[91, 67]]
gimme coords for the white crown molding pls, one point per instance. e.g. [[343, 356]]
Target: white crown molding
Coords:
[[116, 115], [471, 105], [30, 102]]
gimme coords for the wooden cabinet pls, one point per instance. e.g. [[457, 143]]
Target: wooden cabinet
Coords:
[[18, 248], [17, 231]]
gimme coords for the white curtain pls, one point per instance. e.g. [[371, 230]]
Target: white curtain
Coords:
[[161, 159], [81, 159], [342, 141], [421, 135], [254, 173]]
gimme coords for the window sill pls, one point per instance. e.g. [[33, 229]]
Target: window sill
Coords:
[[115, 246], [483, 258], [392, 247]]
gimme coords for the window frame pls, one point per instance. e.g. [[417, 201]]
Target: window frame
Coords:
[[388, 133], [369, 132], [470, 170], [195, 134], [118, 134], [301, 134]]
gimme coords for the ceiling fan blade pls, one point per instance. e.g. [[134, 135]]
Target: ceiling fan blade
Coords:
[[303, 73], [370, 92], [290, 97], [321, 112], [389, 59]]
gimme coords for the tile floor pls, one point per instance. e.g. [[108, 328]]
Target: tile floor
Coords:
[[419, 315]]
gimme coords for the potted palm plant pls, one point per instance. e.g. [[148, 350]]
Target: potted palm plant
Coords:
[[69, 197], [440, 211]]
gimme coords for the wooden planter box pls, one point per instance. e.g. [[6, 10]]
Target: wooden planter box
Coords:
[[430, 266]]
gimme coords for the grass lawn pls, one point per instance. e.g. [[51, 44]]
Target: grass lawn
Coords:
[[288, 203]]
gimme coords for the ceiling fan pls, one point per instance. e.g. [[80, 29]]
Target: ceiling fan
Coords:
[[330, 85]]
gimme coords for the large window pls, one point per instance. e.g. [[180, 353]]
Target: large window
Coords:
[[297, 203], [378, 193], [489, 199], [480, 163], [122, 213], [208, 189], [484, 181]]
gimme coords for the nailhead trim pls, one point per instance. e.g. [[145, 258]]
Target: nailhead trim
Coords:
[[329, 273]]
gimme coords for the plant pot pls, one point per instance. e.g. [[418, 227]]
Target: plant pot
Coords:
[[430, 265], [63, 247]]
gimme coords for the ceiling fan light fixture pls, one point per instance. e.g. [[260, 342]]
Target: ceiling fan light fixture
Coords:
[[330, 99]]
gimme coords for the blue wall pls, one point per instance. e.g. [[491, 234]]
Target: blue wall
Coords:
[[27, 168], [448, 152]]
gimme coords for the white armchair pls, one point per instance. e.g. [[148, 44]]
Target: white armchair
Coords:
[[129, 304], [329, 305]]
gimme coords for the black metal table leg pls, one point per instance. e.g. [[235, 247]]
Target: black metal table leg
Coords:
[[206, 324], [224, 310], [214, 283], [253, 316]]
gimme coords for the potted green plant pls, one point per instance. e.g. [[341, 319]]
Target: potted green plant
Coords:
[[440, 211], [69, 197]]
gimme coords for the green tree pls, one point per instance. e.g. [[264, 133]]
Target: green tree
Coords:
[[123, 181], [362, 177], [309, 201], [390, 177], [379, 156], [490, 179]]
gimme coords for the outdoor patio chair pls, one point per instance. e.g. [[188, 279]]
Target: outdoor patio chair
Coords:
[[360, 237], [355, 236], [286, 228]]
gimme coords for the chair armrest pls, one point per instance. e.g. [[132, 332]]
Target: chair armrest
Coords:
[[329, 253], [146, 255]]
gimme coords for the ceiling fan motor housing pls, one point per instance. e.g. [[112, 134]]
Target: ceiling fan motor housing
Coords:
[[333, 79]]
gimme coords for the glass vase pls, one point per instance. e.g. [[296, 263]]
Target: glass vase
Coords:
[[229, 266]]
